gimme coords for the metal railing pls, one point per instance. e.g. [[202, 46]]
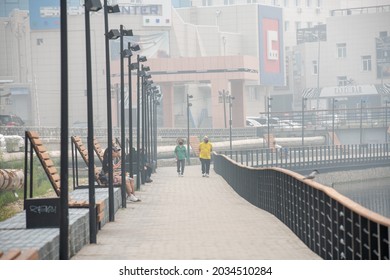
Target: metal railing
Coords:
[[303, 158], [331, 225]]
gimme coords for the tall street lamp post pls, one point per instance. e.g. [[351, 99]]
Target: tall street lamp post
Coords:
[[90, 5], [304, 99], [223, 94], [64, 196], [153, 101], [189, 104], [146, 83], [132, 48], [361, 120], [139, 60], [156, 102], [123, 54], [109, 35], [334, 100], [318, 63], [269, 99], [231, 98], [386, 125]]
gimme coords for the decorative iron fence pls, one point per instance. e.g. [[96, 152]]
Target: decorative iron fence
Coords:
[[304, 158], [331, 225]]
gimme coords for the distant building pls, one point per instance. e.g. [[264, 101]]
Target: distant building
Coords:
[[205, 48], [350, 62]]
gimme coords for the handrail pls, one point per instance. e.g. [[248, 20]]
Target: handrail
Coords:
[[302, 158], [330, 224]]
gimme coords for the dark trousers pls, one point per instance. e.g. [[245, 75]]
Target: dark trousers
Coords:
[[205, 165], [146, 173], [181, 163]]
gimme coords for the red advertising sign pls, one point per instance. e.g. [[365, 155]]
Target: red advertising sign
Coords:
[[271, 45]]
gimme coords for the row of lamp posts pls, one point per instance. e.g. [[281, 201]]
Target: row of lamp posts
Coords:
[[148, 93]]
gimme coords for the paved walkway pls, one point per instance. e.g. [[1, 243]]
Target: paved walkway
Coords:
[[192, 217]]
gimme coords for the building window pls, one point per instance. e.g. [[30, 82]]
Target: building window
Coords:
[[286, 26], [308, 3], [366, 63], [309, 24], [341, 50], [297, 25], [251, 1], [207, 3], [383, 34], [253, 95], [319, 3], [297, 3], [342, 81], [286, 3], [228, 2], [275, 2], [315, 67]]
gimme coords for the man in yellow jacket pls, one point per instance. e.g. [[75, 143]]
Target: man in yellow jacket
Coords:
[[205, 149]]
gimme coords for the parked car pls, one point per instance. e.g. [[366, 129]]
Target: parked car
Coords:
[[263, 121], [291, 124], [10, 120], [253, 123]]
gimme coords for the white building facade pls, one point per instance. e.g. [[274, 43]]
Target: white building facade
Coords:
[[222, 30]]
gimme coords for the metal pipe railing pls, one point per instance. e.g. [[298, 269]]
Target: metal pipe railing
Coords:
[[330, 224]]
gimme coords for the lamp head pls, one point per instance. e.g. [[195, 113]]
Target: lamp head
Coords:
[[93, 5], [145, 68], [113, 34], [127, 53], [127, 32], [113, 9], [134, 66], [142, 58], [134, 47]]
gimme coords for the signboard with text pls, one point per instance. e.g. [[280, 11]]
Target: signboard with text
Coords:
[[42, 212], [271, 54], [45, 14]]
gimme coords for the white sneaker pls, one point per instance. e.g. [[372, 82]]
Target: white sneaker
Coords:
[[204, 175], [207, 175], [178, 174], [133, 198]]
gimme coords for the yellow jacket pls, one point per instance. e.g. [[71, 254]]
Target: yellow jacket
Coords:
[[205, 150]]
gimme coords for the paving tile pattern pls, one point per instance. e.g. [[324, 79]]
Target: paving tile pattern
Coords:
[[193, 217]]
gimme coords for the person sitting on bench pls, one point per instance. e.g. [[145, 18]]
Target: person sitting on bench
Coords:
[[117, 175]]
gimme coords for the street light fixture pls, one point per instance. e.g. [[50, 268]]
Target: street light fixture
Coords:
[[113, 34], [189, 104], [109, 35], [94, 6], [113, 9]]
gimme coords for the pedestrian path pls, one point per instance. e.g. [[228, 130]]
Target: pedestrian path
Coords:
[[193, 217]]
